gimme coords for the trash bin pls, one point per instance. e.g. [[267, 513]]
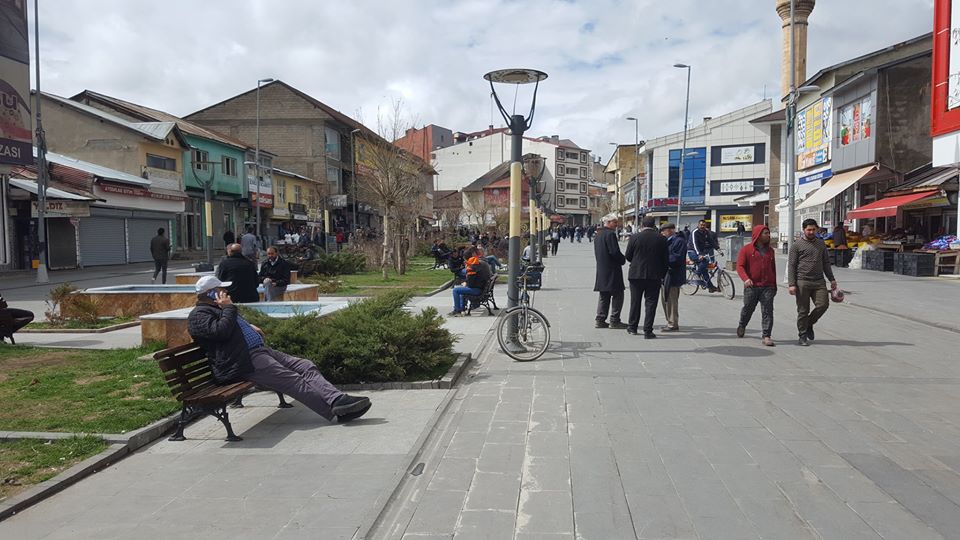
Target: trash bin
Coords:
[[731, 245]]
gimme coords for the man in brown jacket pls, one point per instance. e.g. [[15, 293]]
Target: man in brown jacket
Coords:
[[809, 262]]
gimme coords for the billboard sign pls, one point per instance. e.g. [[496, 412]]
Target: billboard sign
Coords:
[[16, 127]]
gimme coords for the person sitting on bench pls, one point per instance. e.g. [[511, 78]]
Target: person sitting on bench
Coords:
[[441, 253], [478, 274], [237, 351], [12, 320], [457, 264]]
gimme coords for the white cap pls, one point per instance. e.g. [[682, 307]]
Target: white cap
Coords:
[[208, 283], [609, 217]]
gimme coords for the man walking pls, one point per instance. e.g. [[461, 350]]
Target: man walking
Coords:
[[237, 352], [160, 251], [757, 268], [808, 263], [248, 245], [702, 245], [649, 259], [275, 275], [676, 276], [554, 241], [240, 273], [609, 280]]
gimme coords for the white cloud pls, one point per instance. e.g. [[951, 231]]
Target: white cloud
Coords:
[[607, 59]]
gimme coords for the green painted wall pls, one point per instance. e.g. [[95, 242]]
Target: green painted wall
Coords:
[[222, 184]]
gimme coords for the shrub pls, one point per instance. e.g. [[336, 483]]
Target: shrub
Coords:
[[374, 340], [334, 264], [57, 298]]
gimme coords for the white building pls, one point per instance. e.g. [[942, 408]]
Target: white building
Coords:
[[566, 178], [727, 158]]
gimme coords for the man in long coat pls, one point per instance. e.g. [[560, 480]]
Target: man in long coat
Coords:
[[609, 281]]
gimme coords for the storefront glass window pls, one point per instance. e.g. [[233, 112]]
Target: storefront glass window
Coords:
[[694, 175]]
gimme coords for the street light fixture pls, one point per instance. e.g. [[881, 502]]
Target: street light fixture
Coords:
[[791, 114], [256, 153], [353, 157], [518, 125], [636, 179], [617, 187], [683, 151], [534, 167], [42, 276]]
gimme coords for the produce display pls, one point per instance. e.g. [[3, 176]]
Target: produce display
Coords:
[[942, 244]]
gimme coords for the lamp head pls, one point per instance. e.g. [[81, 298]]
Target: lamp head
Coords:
[[264, 81], [631, 118], [515, 76], [808, 89], [681, 66]]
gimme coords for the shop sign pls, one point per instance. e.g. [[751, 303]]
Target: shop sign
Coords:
[[931, 202], [266, 200], [281, 213], [338, 201], [299, 211], [740, 186], [732, 155], [953, 81], [662, 201], [132, 191], [814, 134], [60, 209], [728, 223], [16, 129], [855, 121], [818, 176]]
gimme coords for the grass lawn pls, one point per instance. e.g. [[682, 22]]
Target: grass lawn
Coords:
[[80, 391], [28, 462], [420, 277], [74, 324]]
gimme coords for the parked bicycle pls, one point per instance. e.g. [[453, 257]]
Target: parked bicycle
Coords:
[[523, 332], [721, 279]]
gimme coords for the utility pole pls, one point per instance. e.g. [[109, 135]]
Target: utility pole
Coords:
[[683, 151], [42, 276]]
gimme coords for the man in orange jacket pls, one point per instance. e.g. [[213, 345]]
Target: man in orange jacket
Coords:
[[758, 270]]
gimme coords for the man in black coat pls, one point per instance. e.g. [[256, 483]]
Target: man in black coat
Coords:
[[275, 274], [241, 273], [649, 261], [609, 282], [237, 352]]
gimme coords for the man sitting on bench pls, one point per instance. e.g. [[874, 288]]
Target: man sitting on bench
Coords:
[[237, 351], [478, 274]]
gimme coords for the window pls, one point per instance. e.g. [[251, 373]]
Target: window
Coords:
[[229, 166], [583, 157], [572, 156], [297, 194], [559, 154], [583, 187], [560, 169], [561, 185], [561, 201], [855, 121], [583, 202], [573, 201], [694, 175], [572, 186], [200, 157], [160, 162], [331, 142], [571, 171], [281, 191], [333, 179], [583, 172]]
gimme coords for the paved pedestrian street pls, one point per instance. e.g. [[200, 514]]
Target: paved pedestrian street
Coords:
[[699, 434]]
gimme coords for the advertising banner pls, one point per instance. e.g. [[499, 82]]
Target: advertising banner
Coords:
[[814, 134], [16, 126]]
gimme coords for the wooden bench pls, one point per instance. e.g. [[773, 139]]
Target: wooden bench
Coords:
[[187, 371], [485, 298]]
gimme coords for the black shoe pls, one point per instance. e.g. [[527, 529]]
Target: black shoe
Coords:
[[803, 341], [346, 405], [741, 331], [649, 335], [617, 325], [632, 331], [810, 335], [670, 329], [344, 418], [602, 324]]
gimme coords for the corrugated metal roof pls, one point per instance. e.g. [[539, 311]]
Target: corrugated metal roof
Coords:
[[154, 130], [159, 130], [52, 192], [97, 170], [925, 180]]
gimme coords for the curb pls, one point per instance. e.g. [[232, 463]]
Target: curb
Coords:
[[442, 288], [103, 330], [446, 382]]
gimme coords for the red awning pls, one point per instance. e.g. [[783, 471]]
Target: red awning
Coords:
[[887, 207]]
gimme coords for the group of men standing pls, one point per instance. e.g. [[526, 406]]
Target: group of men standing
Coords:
[[658, 268]]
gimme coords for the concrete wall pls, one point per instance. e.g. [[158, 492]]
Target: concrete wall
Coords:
[[903, 115]]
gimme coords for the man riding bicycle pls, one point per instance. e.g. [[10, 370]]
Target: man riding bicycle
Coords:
[[701, 247]]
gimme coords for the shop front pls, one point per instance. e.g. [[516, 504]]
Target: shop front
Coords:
[[63, 211]]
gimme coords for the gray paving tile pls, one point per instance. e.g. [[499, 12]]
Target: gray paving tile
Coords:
[[826, 513], [486, 525], [501, 458], [545, 511], [493, 491], [453, 474], [891, 520], [546, 474], [547, 444], [436, 513], [507, 433], [659, 516]]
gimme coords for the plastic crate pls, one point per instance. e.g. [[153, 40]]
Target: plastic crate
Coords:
[[878, 261], [915, 264]]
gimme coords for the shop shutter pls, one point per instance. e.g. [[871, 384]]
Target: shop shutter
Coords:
[[62, 238], [141, 231], [102, 241]]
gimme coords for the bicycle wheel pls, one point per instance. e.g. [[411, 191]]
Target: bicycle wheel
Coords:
[[692, 285], [727, 288], [531, 337]]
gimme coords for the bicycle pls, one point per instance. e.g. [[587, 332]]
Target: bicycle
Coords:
[[523, 332], [720, 277]]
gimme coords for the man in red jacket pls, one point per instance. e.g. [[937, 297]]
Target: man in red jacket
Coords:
[[758, 270]]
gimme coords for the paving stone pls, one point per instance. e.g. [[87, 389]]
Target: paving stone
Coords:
[[437, 513], [453, 474], [501, 458], [546, 474], [891, 520], [545, 511], [548, 444], [486, 525], [493, 491], [826, 513], [507, 433]]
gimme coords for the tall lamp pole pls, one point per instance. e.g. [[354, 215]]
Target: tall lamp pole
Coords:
[[518, 125], [42, 276], [636, 179], [256, 153], [683, 151], [353, 158], [618, 187]]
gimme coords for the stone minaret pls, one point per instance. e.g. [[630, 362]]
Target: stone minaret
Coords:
[[801, 11]]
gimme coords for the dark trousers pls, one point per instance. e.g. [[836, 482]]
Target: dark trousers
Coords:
[[11, 320], [158, 268], [554, 244], [295, 377], [608, 300], [648, 291], [764, 296], [807, 291]]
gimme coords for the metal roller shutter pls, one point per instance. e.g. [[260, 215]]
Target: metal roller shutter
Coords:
[[141, 231], [102, 241]]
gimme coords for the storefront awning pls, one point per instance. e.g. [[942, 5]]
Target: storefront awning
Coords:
[[30, 186], [756, 198], [837, 185], [887, 207]]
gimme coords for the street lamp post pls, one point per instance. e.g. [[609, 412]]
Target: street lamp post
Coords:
[[534, 168], [42, 276], [683, 151], [636, 179], [256, 153], [518, 125], [617, 187], [353, 157]]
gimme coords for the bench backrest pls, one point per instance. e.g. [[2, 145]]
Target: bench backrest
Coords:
[[489, 288], [185, 368]]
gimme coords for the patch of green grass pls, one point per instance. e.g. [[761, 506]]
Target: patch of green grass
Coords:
[[80, 391], [73, 324], [28, 462], [420, 277]]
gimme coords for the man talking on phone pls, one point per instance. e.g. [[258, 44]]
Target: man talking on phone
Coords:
[[237, 352]]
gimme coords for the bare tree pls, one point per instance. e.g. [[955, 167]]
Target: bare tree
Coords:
[[389, 176]]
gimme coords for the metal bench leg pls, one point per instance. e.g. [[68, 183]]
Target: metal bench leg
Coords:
[[238, 403], [181, 423], [283, 403], [221, 414], [489, 311]]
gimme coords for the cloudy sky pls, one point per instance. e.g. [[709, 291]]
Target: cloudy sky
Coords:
[[607, 59]]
